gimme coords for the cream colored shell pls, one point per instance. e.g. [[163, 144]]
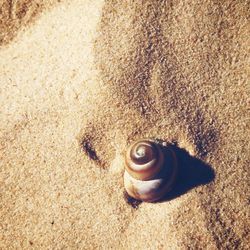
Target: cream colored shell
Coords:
[[160, 173]]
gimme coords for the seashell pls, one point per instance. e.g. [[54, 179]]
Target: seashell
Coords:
[[150, 170]]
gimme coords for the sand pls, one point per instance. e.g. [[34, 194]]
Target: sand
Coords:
[[81, 80]]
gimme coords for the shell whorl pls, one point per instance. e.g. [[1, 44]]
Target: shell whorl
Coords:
[[150, 170], [144, 159]]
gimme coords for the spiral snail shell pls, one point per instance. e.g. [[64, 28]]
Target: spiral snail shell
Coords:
[[150, 170]]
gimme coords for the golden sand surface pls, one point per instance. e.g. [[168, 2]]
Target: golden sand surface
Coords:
[[82, 79]]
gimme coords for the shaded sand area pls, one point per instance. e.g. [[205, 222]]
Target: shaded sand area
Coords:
[[81, 80]]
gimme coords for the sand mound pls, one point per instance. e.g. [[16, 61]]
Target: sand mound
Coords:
[[89, 77]]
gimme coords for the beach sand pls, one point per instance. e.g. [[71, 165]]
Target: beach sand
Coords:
[[81, 80]]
